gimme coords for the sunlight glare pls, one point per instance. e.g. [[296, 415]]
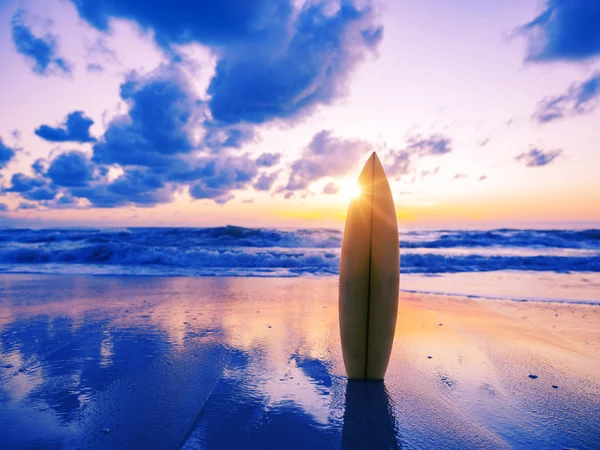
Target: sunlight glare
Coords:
[[350, 190], [354, 191]]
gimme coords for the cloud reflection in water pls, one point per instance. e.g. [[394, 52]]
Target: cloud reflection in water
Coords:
[[157, 362]]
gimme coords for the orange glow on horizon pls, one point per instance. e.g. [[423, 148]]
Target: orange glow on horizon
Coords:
[[329, 211]]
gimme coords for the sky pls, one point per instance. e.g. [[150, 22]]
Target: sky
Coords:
[[262, 113]]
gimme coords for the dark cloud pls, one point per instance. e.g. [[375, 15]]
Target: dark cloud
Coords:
[[6, 154], [40, 50], [25, 205], [436, 144], [274, 62], [215, 177], [156, 147], [40, 194], [400, 162], [565, 30], [209, 177], [483, 177], [265, 181], [538, 158], [331, 188], [23, 183], [76, 128], [3, 207], [164, 111], [459, 176], [181, 21], [221, 200], [40, 166], [283, 82], [71, 169], [580, 98], [219, 192], [31, 188], [66, 200], [139, 186], [200, 191], [325, 156], [268, 159], [218, 137]]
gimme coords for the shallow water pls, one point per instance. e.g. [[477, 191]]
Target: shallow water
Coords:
[[516, 285], [131, 362]]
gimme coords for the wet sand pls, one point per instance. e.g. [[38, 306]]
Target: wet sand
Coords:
[[124, 362]]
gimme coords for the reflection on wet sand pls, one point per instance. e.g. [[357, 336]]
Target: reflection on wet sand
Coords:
[[214, 363], [369, 419], [161, 363]]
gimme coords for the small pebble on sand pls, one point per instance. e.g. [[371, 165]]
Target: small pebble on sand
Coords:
[[533, 377]]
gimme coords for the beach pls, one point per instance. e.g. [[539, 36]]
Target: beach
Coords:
[[294, 224], [239, 362]]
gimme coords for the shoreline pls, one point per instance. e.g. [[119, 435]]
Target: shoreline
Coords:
[[493, 297]]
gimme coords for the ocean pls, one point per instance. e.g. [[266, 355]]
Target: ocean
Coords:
[[502, 263]]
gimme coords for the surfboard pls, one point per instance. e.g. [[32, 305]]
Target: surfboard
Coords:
[[369, 276]]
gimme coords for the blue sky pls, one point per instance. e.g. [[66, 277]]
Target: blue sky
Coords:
[[261, 113]]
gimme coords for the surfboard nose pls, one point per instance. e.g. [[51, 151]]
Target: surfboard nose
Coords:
[[372, 183], [373, 159]]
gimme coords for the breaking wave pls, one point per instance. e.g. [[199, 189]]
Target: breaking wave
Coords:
[[276, 252]]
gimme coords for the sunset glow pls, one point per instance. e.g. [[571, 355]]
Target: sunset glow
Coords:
[[499, 140]]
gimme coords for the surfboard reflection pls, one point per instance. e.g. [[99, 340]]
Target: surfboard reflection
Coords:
[[369, 420]]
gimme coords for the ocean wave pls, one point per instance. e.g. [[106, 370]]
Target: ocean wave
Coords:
[[250, 251], [576, 239], [431, 263], [136, 255], [228, 236], [232, 236], [300, 261]]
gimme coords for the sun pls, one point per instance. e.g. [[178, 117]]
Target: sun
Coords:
[[349, 189], [354, 191]]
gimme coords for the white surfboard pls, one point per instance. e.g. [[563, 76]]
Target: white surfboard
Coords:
[[369, 276]]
